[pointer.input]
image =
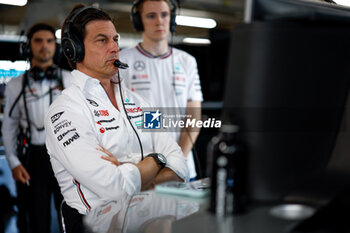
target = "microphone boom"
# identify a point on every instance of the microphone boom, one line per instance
(120, 64)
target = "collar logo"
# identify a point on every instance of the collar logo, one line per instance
(139, 65)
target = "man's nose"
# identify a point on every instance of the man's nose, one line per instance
(44, 44)
(114, 46)
(159, 19)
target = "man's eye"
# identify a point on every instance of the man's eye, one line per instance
(165, 14)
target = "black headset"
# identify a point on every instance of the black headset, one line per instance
(38, 74)
(24, 49)
(73, 47)
(137, 21)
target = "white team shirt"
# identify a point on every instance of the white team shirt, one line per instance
(152, 77)
(83, 118)
(38, 102)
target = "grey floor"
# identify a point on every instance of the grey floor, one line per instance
(7, 180)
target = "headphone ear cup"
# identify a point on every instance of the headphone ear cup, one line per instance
(136, 19)
(72, 48)
(25, 50)
(36, 73)
(51, 73)
(173, 22)
(172, 16)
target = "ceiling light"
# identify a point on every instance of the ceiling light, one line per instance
(342, 2)
(58, 33)
(190, 40)
(14, 2)
(195, 21)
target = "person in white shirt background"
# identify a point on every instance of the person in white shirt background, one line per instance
(165, 76)
(27, 99)
(97, 152)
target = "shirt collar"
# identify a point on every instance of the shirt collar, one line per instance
(81, 80)
(147, 54)
(91, 85)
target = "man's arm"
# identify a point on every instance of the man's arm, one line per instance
(165, 175)
(10, 130)
(149, 171)
(189, 135)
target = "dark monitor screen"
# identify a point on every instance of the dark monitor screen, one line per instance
(286, 87)
(297, 10)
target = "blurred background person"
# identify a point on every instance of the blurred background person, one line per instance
(27, 99)
(165, 76)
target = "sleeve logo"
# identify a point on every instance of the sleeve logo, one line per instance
(55, 117)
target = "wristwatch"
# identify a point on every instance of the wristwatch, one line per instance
(160, 158)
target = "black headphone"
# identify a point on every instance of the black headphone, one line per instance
(72, 47)
(38, 74)
(24, 49)
(137, 21)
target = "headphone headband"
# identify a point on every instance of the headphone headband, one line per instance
(137, 20)
(73, 47)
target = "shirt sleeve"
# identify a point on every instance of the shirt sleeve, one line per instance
(10, 125)
(71, 140)
(194, 90)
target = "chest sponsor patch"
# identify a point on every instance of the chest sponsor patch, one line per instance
(134, 110)
(92, 102)
(139, 65)
(106, 121)
(102, 113)
(55, 117)
(104, 129)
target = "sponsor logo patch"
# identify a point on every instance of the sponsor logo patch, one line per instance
(139, 65)
(92, 102)
(103, 112)
(104, 129)
(134, 110)
(61, 136)
(105, 121)
(55, 117)
(62, 125)
(71, 139)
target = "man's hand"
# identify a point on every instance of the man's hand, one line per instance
(19, 173)
(110, 157)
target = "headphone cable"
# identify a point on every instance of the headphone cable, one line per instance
(122, 99)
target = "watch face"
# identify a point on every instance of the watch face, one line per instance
(161, 158)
